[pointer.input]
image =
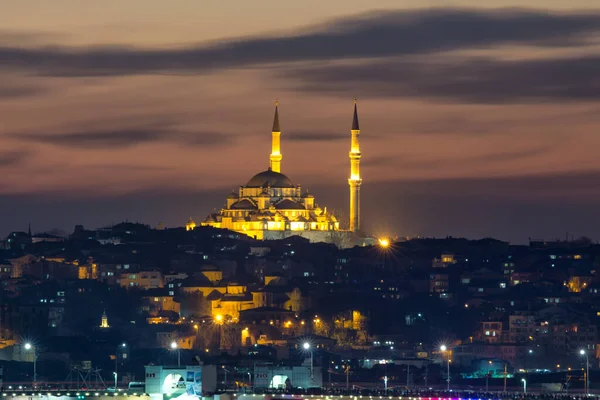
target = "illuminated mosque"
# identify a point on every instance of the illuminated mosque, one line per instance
(270, 206)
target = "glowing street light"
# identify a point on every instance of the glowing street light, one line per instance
(443, 349)
(587, 371)
(175, 347)
(384, 243)
(487, 377)
(306, 347)
(122, 346)
(524, 385)
(218, 320)
(30, 347)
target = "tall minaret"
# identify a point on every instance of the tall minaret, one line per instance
(275, 159)
(355, 180)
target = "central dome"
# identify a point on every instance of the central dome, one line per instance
(270, 178)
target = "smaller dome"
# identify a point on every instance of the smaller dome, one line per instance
(308, 196)
(264, 194)
(232, 195)
(244, 204)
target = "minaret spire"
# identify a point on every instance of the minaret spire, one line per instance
(275, 158)
(355, 180)
(355, 119)
(276, 118)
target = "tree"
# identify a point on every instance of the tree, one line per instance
(231, 336)
(341, 239)
(342, 218)
(322, 327)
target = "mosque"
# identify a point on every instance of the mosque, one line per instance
(270, 206)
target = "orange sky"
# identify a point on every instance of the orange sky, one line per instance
(112, 98)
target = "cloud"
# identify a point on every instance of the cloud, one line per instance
(8, 91)
(125, 137)
(12, 158)
(95, 139)
(24, 38)
(412, 162)
(374, 35)
(315, 136)
(378, 161)
(469, 80)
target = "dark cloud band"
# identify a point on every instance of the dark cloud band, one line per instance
(122, 138)
(469, 80)
(374, 35)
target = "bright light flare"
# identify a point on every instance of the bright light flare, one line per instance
(28, 346)
(173, 345)
(306, 346)
(443, 347)
(384, 242)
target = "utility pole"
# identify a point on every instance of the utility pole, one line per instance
(347, 377)
(407, 375)
(426, 374)
(448, 373)
(505, 377)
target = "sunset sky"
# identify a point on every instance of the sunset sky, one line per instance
(475, 121)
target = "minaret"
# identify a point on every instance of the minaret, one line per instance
(275, 159)
(355, 180)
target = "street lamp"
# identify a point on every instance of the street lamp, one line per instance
(487, 377)
(119, 347)
(29, 347)
(115, 374)
(524, 385)
(175, 347)
(587, 371)
(306, 347)
(219, 321)
(443, 349)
